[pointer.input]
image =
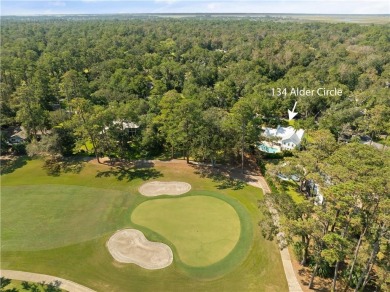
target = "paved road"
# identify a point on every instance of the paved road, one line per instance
(33, 277)
(293, 283)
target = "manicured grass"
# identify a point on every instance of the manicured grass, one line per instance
(296, 196)
(290, 188)
(90, 175)
(99, 200)
(203, 229)
(53, 211)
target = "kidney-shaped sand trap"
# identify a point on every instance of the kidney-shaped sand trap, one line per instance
(131, 246)
(157, 188)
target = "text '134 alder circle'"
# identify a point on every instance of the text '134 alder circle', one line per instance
(296, 91)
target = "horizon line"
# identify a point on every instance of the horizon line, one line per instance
(198, 13)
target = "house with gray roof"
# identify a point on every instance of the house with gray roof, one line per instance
(280, 139)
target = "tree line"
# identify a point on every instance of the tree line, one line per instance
(345, 237)
(221, 67)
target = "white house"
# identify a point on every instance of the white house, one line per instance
(128, 126)
(281, 138)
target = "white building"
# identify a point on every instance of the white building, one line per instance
(281, 138)
(128, 126)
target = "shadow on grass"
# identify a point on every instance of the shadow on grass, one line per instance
(139, 169)
(55, 166)
(286, 186)
(10, 164)
(231, 183)
(223, 178)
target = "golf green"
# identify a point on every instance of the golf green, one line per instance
(203, 229)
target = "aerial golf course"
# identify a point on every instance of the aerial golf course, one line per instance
(61, 224)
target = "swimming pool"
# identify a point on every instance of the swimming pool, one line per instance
(268, 149)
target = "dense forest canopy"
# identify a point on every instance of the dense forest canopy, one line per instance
(212, 62)
(203, 88)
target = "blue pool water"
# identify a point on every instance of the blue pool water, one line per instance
(267, 149)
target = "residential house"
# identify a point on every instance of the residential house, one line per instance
(130, 127)
(280, 139)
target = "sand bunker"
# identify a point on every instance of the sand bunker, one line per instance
(131, 246)
(158, 188)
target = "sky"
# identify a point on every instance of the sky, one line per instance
(34, 7)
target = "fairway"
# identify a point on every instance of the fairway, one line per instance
(59, 225)
(52, 213)
(203, 229)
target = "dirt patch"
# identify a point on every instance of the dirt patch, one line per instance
(158, 188)
(303, 275)
(131, 246)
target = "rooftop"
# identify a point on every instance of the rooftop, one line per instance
(284, 132)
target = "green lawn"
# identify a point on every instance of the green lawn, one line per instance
(294, 194)
(59, 225)
(56, 210)
(203, 229)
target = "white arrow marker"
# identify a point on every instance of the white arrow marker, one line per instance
(292, 114)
